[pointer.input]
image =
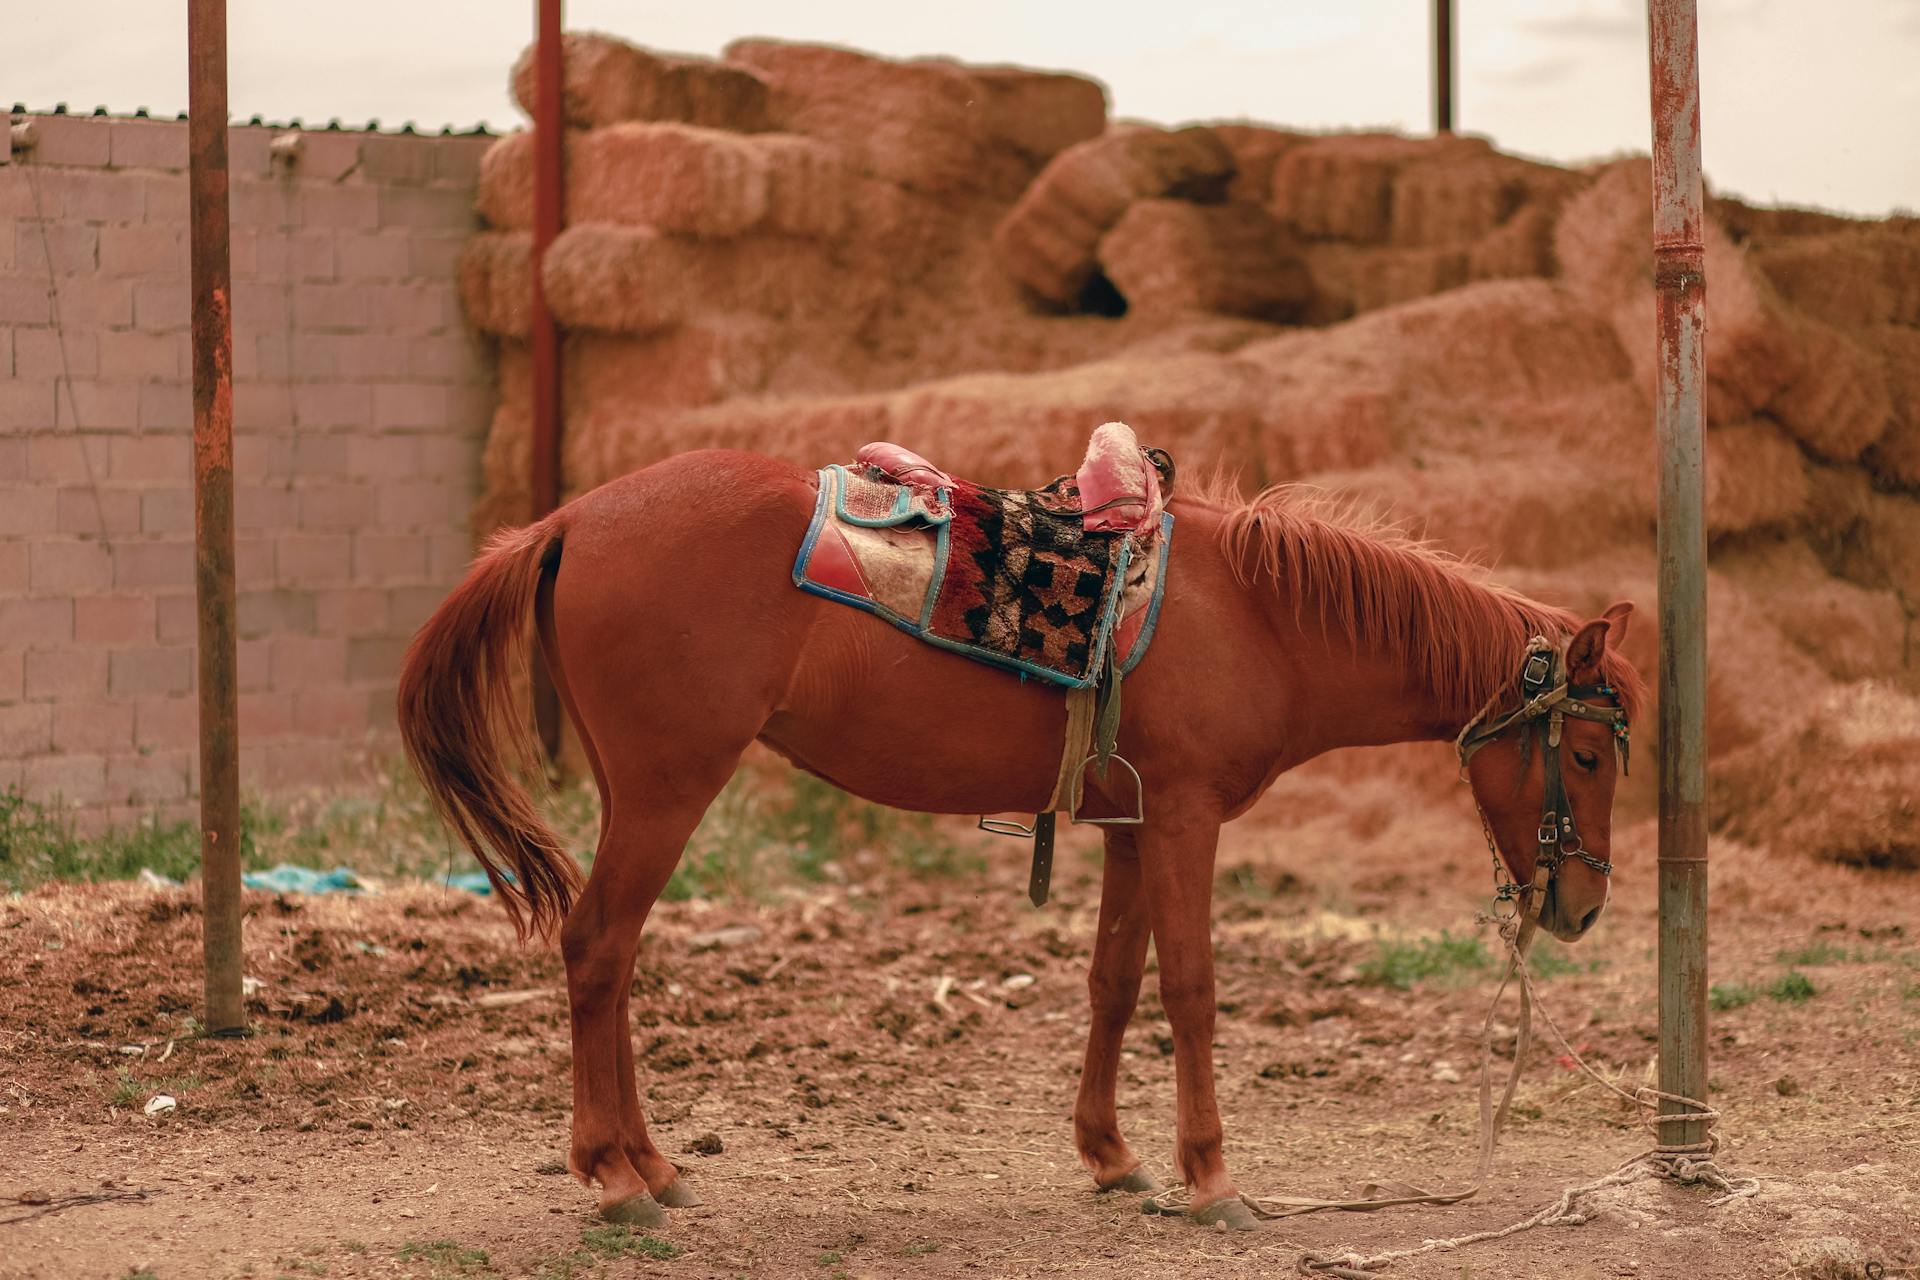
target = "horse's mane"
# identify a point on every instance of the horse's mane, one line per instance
(1461, 635)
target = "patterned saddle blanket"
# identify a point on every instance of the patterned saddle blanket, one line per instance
(1036, 581)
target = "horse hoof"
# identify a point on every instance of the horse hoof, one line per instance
(635, 1211)
(1231, 1212)
(1136, 1181)
(679, 1195)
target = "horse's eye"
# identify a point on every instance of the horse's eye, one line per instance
(1587, 761)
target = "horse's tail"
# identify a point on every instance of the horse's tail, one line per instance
(469, 738)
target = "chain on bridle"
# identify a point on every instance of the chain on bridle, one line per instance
(1547, 698)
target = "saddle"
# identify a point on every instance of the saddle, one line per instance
(1061, 583)
(1118, 484)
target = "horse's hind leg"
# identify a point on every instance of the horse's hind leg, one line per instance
(646, 823)
(1113, 989)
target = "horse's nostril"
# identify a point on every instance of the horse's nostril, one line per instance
(1586, 921)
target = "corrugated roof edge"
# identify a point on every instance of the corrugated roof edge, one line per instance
(331, 126)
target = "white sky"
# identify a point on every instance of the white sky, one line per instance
(1805, 102)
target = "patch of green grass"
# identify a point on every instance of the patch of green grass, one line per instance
(920, 1248)
(355, 1246)
(1730, 995)
(142, 1274)
(130, 1090)
(1792, 987)
(831, 1258)
(40, 842)
(1814, 953)
(1401, 962)
(623, 1242)
(567, 1266)
(1551, 959)
(448, 1257)
(754, 838)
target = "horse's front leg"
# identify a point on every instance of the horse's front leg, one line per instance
(1113, 989)
(1176, 861)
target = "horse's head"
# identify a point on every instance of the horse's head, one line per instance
(1543, 762)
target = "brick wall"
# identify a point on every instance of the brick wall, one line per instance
(360, 404)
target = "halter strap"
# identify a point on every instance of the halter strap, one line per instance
(1547, 698)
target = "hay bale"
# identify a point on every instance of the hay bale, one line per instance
(1037, 114)
(636, 280)
(1171, 256)
(506, 493)
(1450, 198)
(684, 367)
(1839, 403)
(1746, 222)
(1451, 357)
(1521, 246)
(677, 178)
(599, 80)
(1854, 278)
(496, 282)
(1849, 631)
(1494, 511)
(1755, 478)
(606, 81)
(625, 279)
(1366, 279)
(1863, 535)
(1049, 241)
(1603, 244)
(808, 185)
(504, 195)
(912, 123)
(1341, 187)
(1255, 148)
(1841, 788)
(1895, 457)
(672, 177)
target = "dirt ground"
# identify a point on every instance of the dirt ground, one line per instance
(402, 1107)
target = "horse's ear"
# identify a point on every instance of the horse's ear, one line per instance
(1588, 648)
(1618, 615)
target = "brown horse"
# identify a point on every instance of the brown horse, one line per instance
(666, 609)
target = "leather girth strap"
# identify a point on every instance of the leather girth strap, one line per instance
(1092, 731)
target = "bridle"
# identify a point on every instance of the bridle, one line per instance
(1547, 698)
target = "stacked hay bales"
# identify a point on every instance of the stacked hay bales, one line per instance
(796, 249)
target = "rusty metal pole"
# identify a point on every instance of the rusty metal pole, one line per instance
(1443, 63)
(213, 513)
(1679, 272)
(548, 152)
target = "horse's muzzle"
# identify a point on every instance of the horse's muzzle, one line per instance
(1568, 915)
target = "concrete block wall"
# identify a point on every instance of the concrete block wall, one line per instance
(360, 403)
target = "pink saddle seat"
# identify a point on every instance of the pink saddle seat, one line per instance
(1119, 486)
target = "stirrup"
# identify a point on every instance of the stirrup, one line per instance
(1139, 814)
(1004, 827)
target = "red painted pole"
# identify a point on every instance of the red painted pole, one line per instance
(1443, 66)
(213, 512)
(1679, 273)
(548, 152)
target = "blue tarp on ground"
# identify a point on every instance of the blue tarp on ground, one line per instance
(287, 878)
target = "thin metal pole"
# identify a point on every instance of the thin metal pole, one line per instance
(1679, 256)
(1443, 66)
(548, 150)
(213, 512)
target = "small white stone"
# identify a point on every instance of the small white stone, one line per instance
(160, 1102)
